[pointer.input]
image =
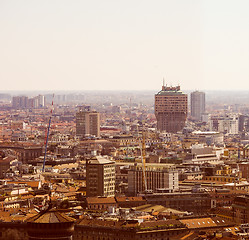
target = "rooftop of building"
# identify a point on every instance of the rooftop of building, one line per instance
(50, 216)
(99, 160)
(132, 224)
(206, 222)
(101, 200)
(129, 199)
(170, 91)
(159, 209)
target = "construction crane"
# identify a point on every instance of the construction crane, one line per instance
(46, 143)
(143, 154)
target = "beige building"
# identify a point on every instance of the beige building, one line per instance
(100, 177)
(159, 178)
(87, 122)
(171, 107)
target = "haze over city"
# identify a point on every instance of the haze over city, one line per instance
(124, 120)
(124, 45)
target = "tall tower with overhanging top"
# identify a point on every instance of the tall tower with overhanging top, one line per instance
(171, 107)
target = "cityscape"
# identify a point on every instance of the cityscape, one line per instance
(168, 165)
(124, 120)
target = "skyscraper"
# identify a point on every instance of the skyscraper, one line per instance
(171, 106)
(197, 105)
(87, 122)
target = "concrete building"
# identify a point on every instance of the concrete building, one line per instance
(225, 124)
(209, 137)
(243, 123)
(159, 178)
(199, 202)
(38, 101)
(100, 177)
(87, 122)
(197, 101)
(41, 101)
(241, 209)
(22, 102)
(244, 169)
(4, 165)
(171, 106)
(19, 102)
(24, 153)
(201, 154)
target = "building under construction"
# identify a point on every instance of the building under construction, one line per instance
(171, 106)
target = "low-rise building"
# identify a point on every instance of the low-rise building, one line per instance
(240, 208)
(127, 229)
(159, 178)
(101, 203)
(185, 201)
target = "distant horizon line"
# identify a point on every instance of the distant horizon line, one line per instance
(125, 90)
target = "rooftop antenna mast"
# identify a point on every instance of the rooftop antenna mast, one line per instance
(46, 143)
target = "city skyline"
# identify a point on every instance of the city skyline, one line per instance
(113, 45)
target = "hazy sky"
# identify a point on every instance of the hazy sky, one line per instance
(128, 44)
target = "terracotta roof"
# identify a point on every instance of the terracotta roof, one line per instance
(50, 216)
(104, 223)
(161, 223)
(33, 184)
(223, 211)
(206, 222)
(61, 189)
(5, 216)
(186, 236)
(198, 223)
(148, 225)
(29, 196)
(130, 199)
(101, 200)
(158, 208)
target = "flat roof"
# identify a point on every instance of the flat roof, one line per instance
(170, 92)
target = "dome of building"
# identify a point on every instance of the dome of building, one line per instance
(50, 224)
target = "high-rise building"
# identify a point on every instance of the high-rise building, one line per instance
(87, 122)
(41, 101)
(100, 177)
(197, 100)
(171, 106)
(20, 102)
